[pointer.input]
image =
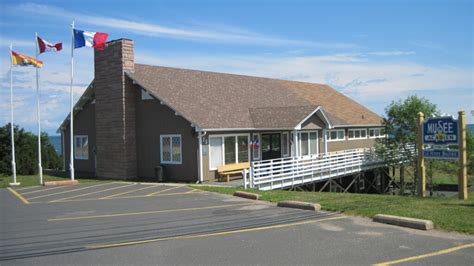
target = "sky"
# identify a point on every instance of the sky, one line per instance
(375, 52)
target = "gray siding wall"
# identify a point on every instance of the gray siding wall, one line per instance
(314, 122)
(153, 120)
(84, 124)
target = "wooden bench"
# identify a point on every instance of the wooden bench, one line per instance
(231, 169)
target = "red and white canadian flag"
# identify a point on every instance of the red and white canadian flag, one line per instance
(44, 46)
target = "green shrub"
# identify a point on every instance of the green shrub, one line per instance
(26, 152)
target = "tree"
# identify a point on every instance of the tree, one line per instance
(400, 127)
(26, 152)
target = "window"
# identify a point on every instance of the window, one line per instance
(242, 149)
(171, 149)
(255, 145)
(284, 144)
(376, 133)
(215, 152)
(308, 143)
(336, 135)
(313, 143)
(357, 133)
(146, 95)
(81, 147)
(304, 150)
(228, 149)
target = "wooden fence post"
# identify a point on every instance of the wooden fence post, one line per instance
(421, 160)
(462, 179)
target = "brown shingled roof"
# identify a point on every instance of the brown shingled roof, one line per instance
(279, 117)
(225, 101)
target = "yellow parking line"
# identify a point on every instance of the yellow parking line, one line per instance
(126, 192)
(159, 192)
(46, 189)
(127, 197)
(62, 192)
(18, 195)
(97, 246)
(432, 254)
(91, 193)
(147, 212)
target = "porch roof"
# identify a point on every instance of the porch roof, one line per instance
(279, 117)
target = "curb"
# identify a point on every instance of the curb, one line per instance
(61, 183)
(404, 221)
(299, 205)
(246, 195)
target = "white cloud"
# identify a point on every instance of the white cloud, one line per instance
(54, 86)
(367, 81)
(391, 53)
(222, 34)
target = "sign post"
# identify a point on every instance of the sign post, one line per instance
(441, 133)
(421, 160)
(462, 180)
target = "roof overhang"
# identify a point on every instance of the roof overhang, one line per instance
(357, 126)
(242, 129)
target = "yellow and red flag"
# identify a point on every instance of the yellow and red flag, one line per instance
(23, 60)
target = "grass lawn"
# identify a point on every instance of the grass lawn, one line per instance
(446, 213)
(439, 176)
(32, 180)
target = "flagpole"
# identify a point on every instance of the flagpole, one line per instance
(40, 168)
(11, 120)
(71, 119)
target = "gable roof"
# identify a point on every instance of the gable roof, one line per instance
(213, 100)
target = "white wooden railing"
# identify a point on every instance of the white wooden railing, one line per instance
(295, 171)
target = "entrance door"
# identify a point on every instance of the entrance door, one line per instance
(271, 146)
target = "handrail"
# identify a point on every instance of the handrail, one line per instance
(291, 171)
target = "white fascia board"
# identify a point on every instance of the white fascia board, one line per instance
(357, 126)
(244, 129)
(324, 118)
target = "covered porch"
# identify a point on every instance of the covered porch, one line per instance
(233, 152)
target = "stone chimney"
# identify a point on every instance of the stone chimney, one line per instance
(115, 111)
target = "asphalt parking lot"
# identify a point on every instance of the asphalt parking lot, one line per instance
(148, 224)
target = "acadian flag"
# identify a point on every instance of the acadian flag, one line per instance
(90, 39)
(44, 46)
(23, 60)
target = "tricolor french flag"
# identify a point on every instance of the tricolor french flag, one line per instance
(90, 39)
(44, 46)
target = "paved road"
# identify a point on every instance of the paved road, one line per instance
(125, 223)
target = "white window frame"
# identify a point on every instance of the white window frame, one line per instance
(81, 137)
(287, 144)
(354, 130)
(375, 129)
(309, 142)
(328, 135)
(171, 136)
(223, 148)
(258, 155)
